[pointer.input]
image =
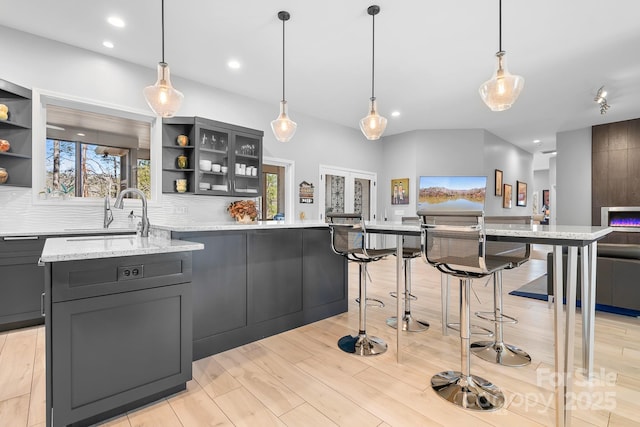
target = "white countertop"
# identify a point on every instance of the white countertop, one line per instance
(89, 247)
(46, 230)
(559, 232)
(223, 226)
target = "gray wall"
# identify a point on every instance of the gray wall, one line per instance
(451, 152)
(573, 177)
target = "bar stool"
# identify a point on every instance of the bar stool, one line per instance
(515, 254)
(410, 250)
(349, 239)
(454, 243)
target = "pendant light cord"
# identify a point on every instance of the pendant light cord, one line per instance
(499, 25)
(162, 31)
(373, 57)
(283, 98)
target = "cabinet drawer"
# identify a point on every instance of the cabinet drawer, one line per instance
(90, 278)
(15, 247)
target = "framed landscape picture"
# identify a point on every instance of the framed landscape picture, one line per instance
(506, 196)
(498, 182)
(521, 188)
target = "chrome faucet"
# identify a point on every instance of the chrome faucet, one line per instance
(144, 232)
(108, 215)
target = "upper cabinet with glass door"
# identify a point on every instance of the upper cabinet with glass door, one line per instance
(224, 159)
(15, 135)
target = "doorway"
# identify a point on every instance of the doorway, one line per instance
(347, 190)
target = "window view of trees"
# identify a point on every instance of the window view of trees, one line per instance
(271, 195)
(78, 169)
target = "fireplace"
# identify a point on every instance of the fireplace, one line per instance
(621, 218)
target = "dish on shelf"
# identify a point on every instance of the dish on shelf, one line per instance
(215, 167)
(219, 187)
(204, 186)
(205, 165)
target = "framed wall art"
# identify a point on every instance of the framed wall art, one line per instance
(521, 188)
(506, 196)
(400, 191)
(498, 182)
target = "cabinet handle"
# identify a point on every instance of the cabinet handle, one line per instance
(20, 238)
(42, 304)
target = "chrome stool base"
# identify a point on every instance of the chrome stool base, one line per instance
(408, 323)
(468, 392)
(362, 345)
(373, 302)
(500, 353)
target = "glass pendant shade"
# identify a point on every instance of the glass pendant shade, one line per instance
(502, 90)
(162, 97)
(283, 127)
(373, 125)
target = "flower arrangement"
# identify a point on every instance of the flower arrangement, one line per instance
(242, 209)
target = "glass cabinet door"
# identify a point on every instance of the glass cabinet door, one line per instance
(213, 161)
(247, 167)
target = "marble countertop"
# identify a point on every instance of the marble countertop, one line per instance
(59, 231)
(560, 232)
(224, 226)
(91, 247)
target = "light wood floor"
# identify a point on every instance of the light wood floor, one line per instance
(301, 378)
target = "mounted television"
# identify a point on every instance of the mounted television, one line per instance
(448, 193)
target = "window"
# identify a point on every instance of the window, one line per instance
(273, 191)
(84, 170)
(91, 155)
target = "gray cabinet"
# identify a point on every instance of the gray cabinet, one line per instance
(21, 282)
(249, 284)
(274, 277)
(116, 341)
(236, 150)
(17, 130)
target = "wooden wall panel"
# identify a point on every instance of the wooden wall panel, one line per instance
(615, 171)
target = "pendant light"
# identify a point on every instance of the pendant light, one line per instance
(501, 91)
(373, 125)
(163, 99)
(283, 127)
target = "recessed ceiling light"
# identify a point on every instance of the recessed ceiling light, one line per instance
(395, 114)
(536, 141)
(80, 134)
(115, 21)
(107, 44)
(233, 64)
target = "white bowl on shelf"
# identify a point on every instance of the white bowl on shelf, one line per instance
(205, 165)
(215, 167)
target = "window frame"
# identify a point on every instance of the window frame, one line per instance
(42, 98)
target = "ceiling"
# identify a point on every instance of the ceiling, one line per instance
(431, 57)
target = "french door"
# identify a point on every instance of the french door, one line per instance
(347, 191)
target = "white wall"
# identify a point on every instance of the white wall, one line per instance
(35, 62)
(573, 177)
